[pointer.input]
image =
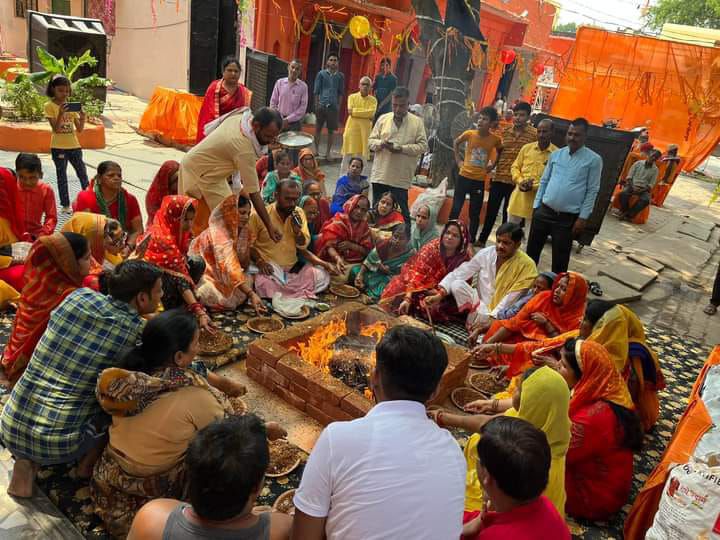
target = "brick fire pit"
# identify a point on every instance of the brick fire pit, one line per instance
(272, 363)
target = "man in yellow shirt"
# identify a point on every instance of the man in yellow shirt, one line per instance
(526, 171)
(276, 264)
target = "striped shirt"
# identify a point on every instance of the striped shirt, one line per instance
(512, 143)
(50, 407)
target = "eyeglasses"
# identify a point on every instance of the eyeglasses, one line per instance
(117, 242)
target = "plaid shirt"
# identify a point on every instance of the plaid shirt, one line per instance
(52, 404)
(512, 144)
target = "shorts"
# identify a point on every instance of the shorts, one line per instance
(327, 116)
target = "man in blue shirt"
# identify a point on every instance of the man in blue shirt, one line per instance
(383, 86)
(328, 89)
(566, 197)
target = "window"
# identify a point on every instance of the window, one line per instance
(61, 7)
(22, 7)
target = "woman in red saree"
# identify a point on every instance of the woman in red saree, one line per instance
(55, 267)
(308, 169)
(223, 96)
(423, 272)
(12, 230)
(605, 432)
(164, 183)
(384, 216)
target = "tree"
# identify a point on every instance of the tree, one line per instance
(703, 13)
(566, 28)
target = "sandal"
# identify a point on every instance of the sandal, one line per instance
(595, 288)
(710, 309)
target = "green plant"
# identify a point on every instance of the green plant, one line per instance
(84, 91)
(23, 96)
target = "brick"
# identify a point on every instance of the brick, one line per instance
(296, 369)
(267, 351)
(292, 334)
(256, 376)
(327, 388)
(356, 405)
(252, 362)
(335, 412)
(294, 400)
(272, 375)
(299, 391)
(318, 415)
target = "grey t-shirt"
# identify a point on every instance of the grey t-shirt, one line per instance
(643, 177)
(179, 528)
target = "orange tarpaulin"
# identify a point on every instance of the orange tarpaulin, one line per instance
(694, 423)
(674, 88)
(172, 115)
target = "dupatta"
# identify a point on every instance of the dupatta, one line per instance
(419, 238)
(11, 209)
(309, 173)
(340, 228)
(159, 188)
(168, 244)
(516, 274)
(217, 102)
(51, 273)
(92, 227)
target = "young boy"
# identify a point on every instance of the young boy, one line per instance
(36, 197)
(480, 144)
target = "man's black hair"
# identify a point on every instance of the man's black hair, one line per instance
(287, 183)
(490, 113)
(401, 92)
(130, 278)
(596, 308)
(522, 106)
(226, 461)
(266, 116)
(411, 362)
(513, 229)
(581, 123)
(28, 162)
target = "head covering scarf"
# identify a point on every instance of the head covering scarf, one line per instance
(10, 208)
(394, 217)
(51, 273)
(309, 173)
(159, 188)
(92, 227)
(599, 380)
(105, 207)
(419, 238)
(551, 277)
(168, 244)
(222, 246)
(307, 200)
(515, 275)
(341, 227)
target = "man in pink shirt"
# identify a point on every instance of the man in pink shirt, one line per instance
(36, 197)
(290, 97)
(513, 468)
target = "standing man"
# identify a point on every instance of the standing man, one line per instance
(502, 186)
(398, 140)
(290, 97)
(328, 90)
(383, 87)
(526, 171)
(232, 147)
(566, 197)
(639, 183)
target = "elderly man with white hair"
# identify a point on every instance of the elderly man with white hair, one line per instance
(361, 107)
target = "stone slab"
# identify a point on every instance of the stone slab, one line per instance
(615, 292)
(647, 262)
(628, 273)
(696, 230)
(682, 253)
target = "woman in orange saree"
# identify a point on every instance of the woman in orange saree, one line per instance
(55, 267)
(164, 183)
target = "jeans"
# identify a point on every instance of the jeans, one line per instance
(643, 201)
(476, 190)
(547, 222)
(499, 195)
(399, 194)
(715, 298)
(61, 157)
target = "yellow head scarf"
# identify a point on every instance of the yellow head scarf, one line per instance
(615, 330)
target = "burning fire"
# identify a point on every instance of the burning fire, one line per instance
(318, 349)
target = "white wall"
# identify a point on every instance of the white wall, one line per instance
(143, 55)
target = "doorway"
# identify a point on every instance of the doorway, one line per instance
(320, 49)
(213, 36)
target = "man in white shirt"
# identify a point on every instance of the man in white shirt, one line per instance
(394, 473)
(503, 273)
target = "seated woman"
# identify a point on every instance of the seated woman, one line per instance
(105, 238)
(313, 189)
(543, 282)
(308, 169)
(225, 248)
(12, 230)
(542, 399)
(605, 432)
(164, 183)
(168, 249)
(421, 275)
(384, 216)
(282, 171)
(105, 195)
(423, 228)
(307, 255)
(546, 315)
(345, 239)
(353, 183)
(55, 267)
(158, 401)
(383, 263)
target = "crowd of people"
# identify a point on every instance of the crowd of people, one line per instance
(100, 376)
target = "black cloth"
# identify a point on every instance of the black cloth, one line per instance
(399, 194)
(499, 195)
(476, 189)
(547, 222)
(174, 286)
(642, 202)
(715, 299)
(326, 116)
(459, 15)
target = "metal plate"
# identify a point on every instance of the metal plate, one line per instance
(295, 139)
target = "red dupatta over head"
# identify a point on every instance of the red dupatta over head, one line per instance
(168, 245)
(10, 205)
(341, 227)
(309, 173)
(51, 273)
(160, 188)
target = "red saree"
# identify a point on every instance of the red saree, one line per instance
(340, 228)
(159, 188)
(10, 206)
(217, 102)
(51, 273)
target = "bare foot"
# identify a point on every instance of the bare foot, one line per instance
(23, 479)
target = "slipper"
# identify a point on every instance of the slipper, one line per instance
(595, 288)
(710, 309)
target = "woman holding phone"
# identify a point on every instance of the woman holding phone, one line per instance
(65, 119)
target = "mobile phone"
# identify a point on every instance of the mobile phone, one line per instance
(296, 218)
(73, 106)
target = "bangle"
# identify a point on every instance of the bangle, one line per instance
(497, 349)
(198, 309)
(438, 419)
(495, 405)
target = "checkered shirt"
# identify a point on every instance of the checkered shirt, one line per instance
(52, 404)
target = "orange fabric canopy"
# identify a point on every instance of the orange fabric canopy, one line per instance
(673, 88)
